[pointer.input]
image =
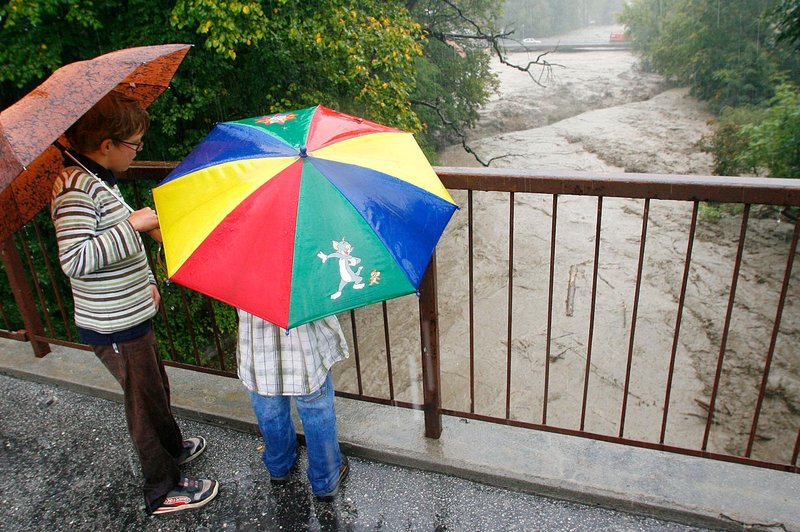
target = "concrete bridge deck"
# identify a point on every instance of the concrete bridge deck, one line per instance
(665, 486)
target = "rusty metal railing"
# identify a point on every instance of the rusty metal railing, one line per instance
(746, 193)
(560, 373)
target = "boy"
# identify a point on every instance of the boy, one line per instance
(276, 366)
(115, 293)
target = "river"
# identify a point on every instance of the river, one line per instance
(598, 112)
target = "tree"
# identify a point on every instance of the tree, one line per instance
(787, 15)
(729, 140)
(774, 140)
(249, 58)
(454, 76)
(366, 57)
(643, 25)
(363, 57)
(737, 56)
(722, 50)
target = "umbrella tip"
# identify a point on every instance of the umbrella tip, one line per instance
(303, 152)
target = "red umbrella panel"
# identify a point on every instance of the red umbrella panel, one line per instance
(28, 128)
(300, 215)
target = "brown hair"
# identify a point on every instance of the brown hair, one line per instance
(116, 116)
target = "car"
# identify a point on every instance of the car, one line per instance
(617, 36)
(531, 40)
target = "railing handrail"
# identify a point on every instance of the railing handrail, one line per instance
(722, 189)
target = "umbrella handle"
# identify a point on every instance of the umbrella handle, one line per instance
(155, 234)
(66, 152)
(159, 258)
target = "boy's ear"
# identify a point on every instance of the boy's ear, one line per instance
(106, 145)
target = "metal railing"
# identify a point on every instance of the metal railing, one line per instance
(746, 193)
(698, 378)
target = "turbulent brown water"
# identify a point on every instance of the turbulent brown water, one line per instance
(599, 113)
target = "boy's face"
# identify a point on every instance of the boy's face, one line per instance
(123, 151)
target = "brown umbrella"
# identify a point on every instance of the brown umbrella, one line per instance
(28, 160)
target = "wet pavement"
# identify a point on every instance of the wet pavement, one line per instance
(66, 463)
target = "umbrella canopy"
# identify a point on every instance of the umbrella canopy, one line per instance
(29, 162)
(300, 215)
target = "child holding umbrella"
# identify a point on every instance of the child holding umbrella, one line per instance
(115, 294)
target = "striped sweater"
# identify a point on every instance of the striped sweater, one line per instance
(101, 253)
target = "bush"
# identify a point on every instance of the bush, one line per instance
(730, 140)
(774, 140)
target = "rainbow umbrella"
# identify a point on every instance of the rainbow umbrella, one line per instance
(300, 215)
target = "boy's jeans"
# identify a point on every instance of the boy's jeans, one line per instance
(319, 425)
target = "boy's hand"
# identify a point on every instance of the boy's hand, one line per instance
(156, 235)
(144, 219)
(156, 295)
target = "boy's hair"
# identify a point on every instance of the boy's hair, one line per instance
(116, 116)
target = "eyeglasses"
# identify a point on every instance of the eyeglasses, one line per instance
(135, 146)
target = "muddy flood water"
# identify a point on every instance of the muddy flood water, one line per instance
(600, 113)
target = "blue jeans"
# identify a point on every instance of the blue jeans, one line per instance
(319, 425)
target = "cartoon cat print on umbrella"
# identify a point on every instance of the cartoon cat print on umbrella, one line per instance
(342, 251)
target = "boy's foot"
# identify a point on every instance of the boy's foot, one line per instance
(284, 479)
(189, 493)
(280, 481)
(192, 448)
(344, 469)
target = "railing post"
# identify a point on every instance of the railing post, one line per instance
(23, 296)
(429, 332)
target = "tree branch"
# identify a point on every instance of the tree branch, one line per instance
(540, 70)
(454, 128)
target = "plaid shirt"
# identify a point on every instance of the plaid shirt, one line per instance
(272, 362)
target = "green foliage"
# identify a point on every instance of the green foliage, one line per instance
(227, 25)
(754, 140)
(745, 83)
(713, 212)
(774, 140)
(454, 71)
(24, 60)
(725, 51)
(787, 16)
(37, 250)
(736, 56)
(642, 21)
(364, 57)
(729, 140)
(250, 58)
